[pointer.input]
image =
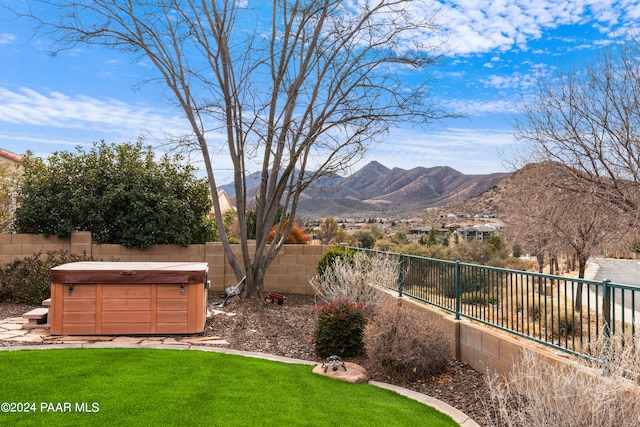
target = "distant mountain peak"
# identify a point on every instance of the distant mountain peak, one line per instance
(374, 167)
(377, 189)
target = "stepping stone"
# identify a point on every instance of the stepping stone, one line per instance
(12, 326)
(10, 335)
(172, 341)
(127, 340)
(28, 338)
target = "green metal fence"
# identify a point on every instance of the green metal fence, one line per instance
(569, 314)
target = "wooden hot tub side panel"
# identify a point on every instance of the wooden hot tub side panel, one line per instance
(114, 309)
(127, 307)
(79, 313)
(172, 308)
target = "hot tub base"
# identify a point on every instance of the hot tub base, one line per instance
(128, 298)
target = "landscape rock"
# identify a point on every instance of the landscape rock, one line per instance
(354, 374)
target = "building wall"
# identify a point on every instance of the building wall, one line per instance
(289, 273)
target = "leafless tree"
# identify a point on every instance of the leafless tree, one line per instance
(588, 119)
(546, 212)
(296, 88)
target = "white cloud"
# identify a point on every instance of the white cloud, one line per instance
(6, 38)
(57, 110)
(480, 107)
(512, 81)
(480, 26)
(470, 151)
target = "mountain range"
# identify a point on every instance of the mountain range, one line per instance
(380, 191)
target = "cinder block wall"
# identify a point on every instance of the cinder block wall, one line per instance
(289, 273)
(20, 246)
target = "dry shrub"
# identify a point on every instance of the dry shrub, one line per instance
(402, 345)
(351, 278)
(26, 280)
(539, 393)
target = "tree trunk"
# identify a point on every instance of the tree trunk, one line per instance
(254, 282)
(582, 264)
(540, 259)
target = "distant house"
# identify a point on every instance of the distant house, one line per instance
(418, 232)
(12, 160)
(225, 201)
(225, 204)
(9, 167)
(477, 233)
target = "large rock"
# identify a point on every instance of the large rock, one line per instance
(354, 374)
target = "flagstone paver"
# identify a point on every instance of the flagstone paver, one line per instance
(11, 326)
(11, 330)
(173, 341)
(10, 335)
(28, 338)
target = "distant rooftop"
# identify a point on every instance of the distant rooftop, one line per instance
(8, 155)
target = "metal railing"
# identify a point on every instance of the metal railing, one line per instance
(569, 314)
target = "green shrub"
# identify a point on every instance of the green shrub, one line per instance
(330, 257)
(27, 280)
(402, 344)
(340, 329)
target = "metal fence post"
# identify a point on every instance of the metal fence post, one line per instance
(400, 278)
(606, 330)
(458, 291)
(606, 307)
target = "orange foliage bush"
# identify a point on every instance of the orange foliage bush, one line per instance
(296, 235)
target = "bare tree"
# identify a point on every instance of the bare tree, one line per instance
(588, 119)
(526, 223)
(545, 211)
(297, 88)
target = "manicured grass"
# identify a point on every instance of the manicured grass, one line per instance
(145, 387)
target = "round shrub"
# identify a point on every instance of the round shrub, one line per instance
(340, 329)
(401, 344)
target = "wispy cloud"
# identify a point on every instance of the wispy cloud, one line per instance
(480, 107)
(29, 107)
(470, 151)
(6, 38)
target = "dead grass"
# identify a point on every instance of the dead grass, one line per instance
(539, 393)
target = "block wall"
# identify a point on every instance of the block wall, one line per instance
(482, 347)
(289, 273)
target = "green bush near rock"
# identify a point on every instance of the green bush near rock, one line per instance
(340, 329)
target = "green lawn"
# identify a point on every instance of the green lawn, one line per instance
(140, 387)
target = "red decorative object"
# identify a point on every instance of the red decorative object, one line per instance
(274, 297)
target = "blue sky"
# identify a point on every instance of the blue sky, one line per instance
(493, 53)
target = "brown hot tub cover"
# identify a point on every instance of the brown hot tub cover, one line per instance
(130, 272)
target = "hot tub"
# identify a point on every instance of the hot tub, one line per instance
(125, 298)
